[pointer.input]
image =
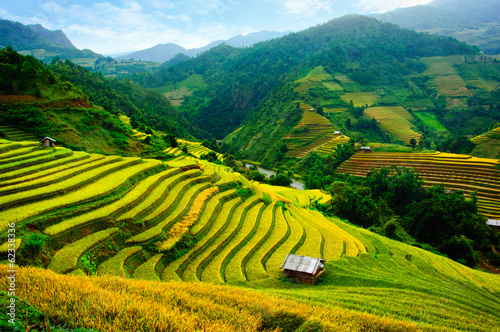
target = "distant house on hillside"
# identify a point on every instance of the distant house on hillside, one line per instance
(337, 133)
(366, 149)
(303, 269)
(48, 142)
(311, 110)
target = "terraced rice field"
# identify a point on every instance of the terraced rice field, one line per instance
(492, 134)
(445, 75)
(313, 131)
(331, 146)
(16, 134)
(318, 76)
(130, 208)
(394, 120)
(194, 148)
(456, 172)
(360, 98)
(115, 221)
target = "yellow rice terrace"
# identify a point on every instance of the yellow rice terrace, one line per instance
(130, 244)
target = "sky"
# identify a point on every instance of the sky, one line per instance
(122, 26)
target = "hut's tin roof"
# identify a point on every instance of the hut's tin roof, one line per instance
(50, 139)
(302, 264)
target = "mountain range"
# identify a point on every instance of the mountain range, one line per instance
(474, 22)
(164, 52)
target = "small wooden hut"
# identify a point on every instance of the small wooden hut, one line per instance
(337, 133)
(366, 149)
(303, 269)
(48, 142)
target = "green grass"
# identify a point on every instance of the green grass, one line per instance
(66, 259)
(451, 85)
(146, 271)
(440, 65)
(430, 119)
(184, 88)
(114, 265)
(316, 77)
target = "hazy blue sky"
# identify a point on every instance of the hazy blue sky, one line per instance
(118, 26)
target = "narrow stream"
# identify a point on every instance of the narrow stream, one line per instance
(295, 183)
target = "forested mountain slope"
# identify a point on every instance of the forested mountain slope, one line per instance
(121, 96)
(81, 109)
(476, 23)
(237, 80)
(42, 43)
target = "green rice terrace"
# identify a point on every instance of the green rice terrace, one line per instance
(395, 120)
(191, 220)
(194, 148)
(454, 171)
(313, 131)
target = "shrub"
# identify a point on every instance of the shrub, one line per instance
(34, 244)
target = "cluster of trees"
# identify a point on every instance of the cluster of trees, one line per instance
(22, 74)
(393, 202)
(281, 178)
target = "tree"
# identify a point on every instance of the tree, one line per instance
(413, 143)
(459, 248)
(357, 209)
(171, 140)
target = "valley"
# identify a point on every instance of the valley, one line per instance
(160, 196)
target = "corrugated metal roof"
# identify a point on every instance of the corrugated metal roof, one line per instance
(302, 264)
(493, 222)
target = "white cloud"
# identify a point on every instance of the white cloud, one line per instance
(110, 28)
(380, 6)
(306, 8)
(161, 5)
